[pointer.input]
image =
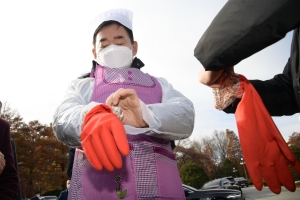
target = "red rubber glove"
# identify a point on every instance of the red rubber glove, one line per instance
(103, 138)
(266, 153)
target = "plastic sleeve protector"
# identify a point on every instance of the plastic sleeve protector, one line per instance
(265, 152)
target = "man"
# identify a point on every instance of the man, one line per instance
(8, 173)
(37, 196)
(64, 194)
(241, 29)
(119, 104)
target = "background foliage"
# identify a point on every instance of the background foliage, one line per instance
(219, 154)
(193, 175)
(42, 159)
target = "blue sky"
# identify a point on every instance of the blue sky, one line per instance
(45, 45)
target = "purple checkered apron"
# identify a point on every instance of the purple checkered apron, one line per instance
(149, 172)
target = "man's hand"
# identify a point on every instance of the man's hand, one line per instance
(215, 79)
(2, 163)
(128, 100)
(103, 138)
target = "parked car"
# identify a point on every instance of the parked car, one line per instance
(242, 182)
(219, 184)
(48, 198)
(215, 194)
(231, 179)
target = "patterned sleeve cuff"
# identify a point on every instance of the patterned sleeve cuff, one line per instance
(227, 93)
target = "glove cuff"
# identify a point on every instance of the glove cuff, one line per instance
(99, 109)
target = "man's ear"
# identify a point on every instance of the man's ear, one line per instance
(135, 48)
(94, 53)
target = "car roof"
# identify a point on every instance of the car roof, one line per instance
(189, 187)
(238, 178)
(48, 197)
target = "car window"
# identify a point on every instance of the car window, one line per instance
(226, 183)
(231, 179)
(211, 183)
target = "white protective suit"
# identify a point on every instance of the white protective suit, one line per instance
(171, 119)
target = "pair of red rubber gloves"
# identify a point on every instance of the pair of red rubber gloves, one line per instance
(265, 152)
(103, 138)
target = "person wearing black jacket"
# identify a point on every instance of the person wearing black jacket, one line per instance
(9, 176)
(243, 28)
(239, 30)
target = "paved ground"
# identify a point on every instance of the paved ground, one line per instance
(266, 194)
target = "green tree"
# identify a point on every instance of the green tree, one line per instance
(193, 151)
(227, 169)
(296, 151)
(193, 175)
(234, 151)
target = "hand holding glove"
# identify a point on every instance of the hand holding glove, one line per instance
(266, 153)
(103, 138)
(229, 91)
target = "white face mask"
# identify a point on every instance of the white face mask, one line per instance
(68, 186)
(115, 56)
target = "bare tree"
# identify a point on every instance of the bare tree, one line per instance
(294, 139)
(12, 117)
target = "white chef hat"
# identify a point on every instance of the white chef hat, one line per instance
(121, 15)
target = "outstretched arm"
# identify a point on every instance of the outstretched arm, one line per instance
(250, 27)
(215, 79)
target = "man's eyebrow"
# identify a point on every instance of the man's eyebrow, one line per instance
(102, 40)
(117, 37)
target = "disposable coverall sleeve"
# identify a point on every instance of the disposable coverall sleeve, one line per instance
(68, 117)
(172, 119)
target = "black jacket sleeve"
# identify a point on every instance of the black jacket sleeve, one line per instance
(14, 152)
(244, 27)
(70, 161)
